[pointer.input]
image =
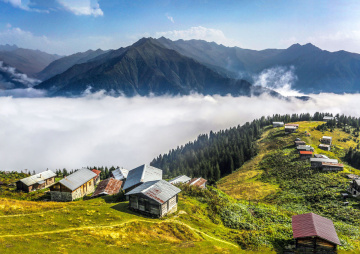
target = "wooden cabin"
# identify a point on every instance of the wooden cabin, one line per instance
(198, 182)
(314, 234)
(305, 148)
(355, 188)
(74, 186)
(305, 155)
(328, 118)
(325, 147)
(292, 124)
(180, 179)
(36, 182)
(326, 166)
(97, 177)
(317, 162)
(299, 143)
(140, 175)
(326, 140)
(154, 198)
(290, 129)
(120, 174)
(278, 124)
(108, 186)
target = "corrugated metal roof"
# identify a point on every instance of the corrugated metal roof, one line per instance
(120, 173)
(323, 160)
(332, 164)
(306, 152)
(304, 147)
(180, 179)
(290, 127)
(197, 181)
(328, 118)
(109, 186)
(323, 145)
(310, 224)
(292, 124)
(159, 190)
(326, 137)
(321, 156)
(142, 174)
(38, 177)
(77, 179)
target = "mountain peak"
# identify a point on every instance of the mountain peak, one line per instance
(307, 46)
(8, 47)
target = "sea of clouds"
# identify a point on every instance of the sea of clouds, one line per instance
(98, 130)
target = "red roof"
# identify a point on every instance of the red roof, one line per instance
(310, 224)
(306, 152)
(96, 172)
(197, 181)
(109, 186)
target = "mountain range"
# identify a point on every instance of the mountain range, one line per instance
(162, 66)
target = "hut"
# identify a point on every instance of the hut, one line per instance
(97, 177)
(355, 188)
(326, 140)
(328, 118)
(155, 198)
(321, 156)
(314, 234)
(278, 124)
(180, 179)
(140, 175)
(120, 173)
(304, 148)
(36, 182)
(290, 129)
(299, 143)
(326, 166)
(108, 186)
(292, 124)
(305, 154)
(74, 186)
(199, 182)
(324, 147)
(317, 162)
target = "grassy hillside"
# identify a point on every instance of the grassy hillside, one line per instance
(250, 212)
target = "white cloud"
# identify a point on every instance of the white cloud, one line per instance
(17, 77)
(55, 133)
(199, 33)
(170, 18)
(24, 5)
(82, 7)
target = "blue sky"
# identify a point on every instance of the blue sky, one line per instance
(69, 26)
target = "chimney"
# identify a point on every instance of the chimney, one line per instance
(40, 176)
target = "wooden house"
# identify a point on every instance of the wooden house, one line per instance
(120, 174)
(140, 175)
(278, 124)
(355, 188)
(305, 155)
(97, 177)
(154, 198)
(317, 162)
(36, 182)
(74, 186)
(305, 148)
(327, 166)
(324, 147)
(292, 124)
(290, 129)
(180, 179)
(326, 140)
(321, 156)
(108, 186)
(299, 143)
(314, 234)
(198, 182)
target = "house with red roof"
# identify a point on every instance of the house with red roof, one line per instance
(199, 182)
(97, 177)
(108, 186)
(314, 234)
(305, 154)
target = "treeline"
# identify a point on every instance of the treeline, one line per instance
(219, 153)
(105, 171)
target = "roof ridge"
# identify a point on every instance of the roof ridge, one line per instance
(142, 173)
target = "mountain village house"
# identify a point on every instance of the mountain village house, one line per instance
(278, 124)
(324, 147)
(305, 155)
(36, 182)
(140, 175)
(154, 198)
(120, 174)
(326, 140)
(180, 179)
(108, 186)
(97, 177)
(314, 234)
(355, 188)
(299, 143)
(317, 162)
(304, 148)
(290, 129)
(328, 118)
(326, 166)
(199, 182)
(74, 186)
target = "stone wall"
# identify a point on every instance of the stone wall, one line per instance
(60, 196)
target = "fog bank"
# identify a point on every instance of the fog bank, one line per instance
(97, 130)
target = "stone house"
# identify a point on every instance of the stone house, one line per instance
(140, 175)
(74, 186)
(36, 182)
(154, 198)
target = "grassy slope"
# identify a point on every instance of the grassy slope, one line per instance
(284, 182)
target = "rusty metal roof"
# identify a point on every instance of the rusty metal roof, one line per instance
(160, 190)
(180, 179)
(142, 174)
(197, 181)
(97, 172)
(310, 224)
(108, 186)
(120, 173)
(75, 180)
(38, 178)
(332, 164)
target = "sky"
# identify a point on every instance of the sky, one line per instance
(69, 26)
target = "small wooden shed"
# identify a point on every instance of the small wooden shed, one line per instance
(154, 198)
(314, 234)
